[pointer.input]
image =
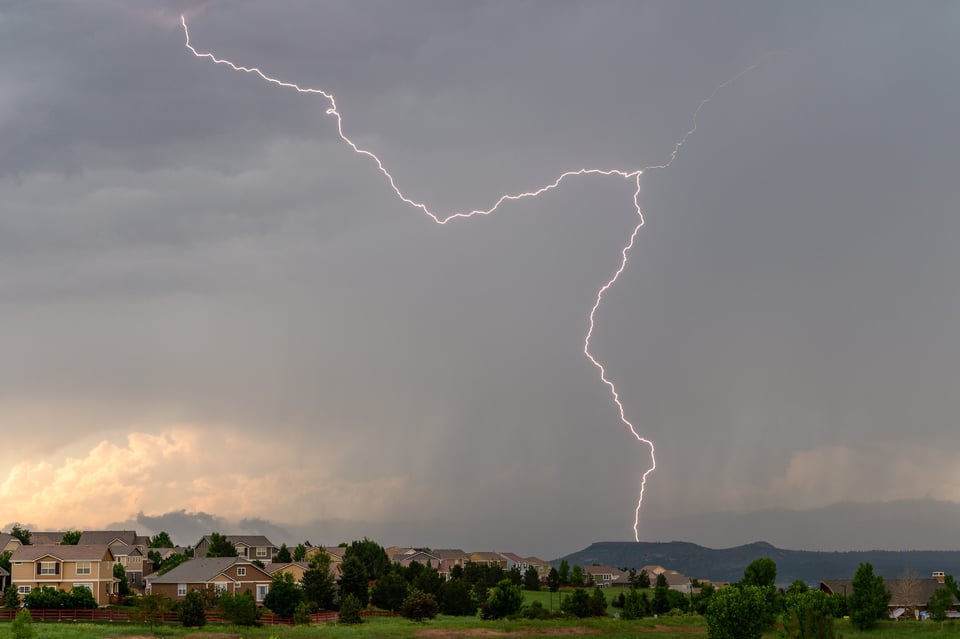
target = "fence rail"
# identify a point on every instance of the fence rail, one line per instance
(125, 616)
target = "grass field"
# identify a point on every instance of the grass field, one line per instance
(461, 628)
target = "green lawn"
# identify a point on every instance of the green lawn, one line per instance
(463, 628)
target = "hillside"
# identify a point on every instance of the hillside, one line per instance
(727, 564)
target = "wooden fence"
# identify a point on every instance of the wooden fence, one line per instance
(104, 615)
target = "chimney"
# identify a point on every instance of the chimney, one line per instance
(938, 575)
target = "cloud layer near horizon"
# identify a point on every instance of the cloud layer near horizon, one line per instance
(211, 305)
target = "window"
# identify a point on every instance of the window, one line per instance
(49, 568)
(87, 586)
(220, 587)
(181, 590)
(262, 591)
(83, 567)
(261, 551)
(241, 572)
(24, 590)
(135, 559)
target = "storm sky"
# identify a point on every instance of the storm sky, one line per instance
(210, 304)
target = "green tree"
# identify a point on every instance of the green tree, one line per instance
(515, 576)
(429, 581)
(577, 604)
(702, 599)
(869, 600)
(505, 599)
(171, 562)
(372, 555)
(939, 604)
(553, 580)
(354, 579)
(318, 583)
(300, 552)
(389, 592)
(11, 598)
(350, 610)
(736, 613)
(123, 585)
(597, 603)
(193, 610)
(807, 624)
(283, 555)
(798, 587)
(5, 560)
(284, 595)
(220, 546)
(22, 533)
(635, 605)
(71, 538)
(240, 610)
(643, 579)
(161, 540)
(760, 572)
(661, 599)
(455, 599)
(419, 606)
(531, 579)
(576, 575)
(564, 572)
(22, 625)
(662, 581)
(301, 614)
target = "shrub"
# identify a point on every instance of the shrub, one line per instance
(22, 625)
(193, 612)
(597, 604)
(536, 611)
(505, 599)
(456, 600)
(240, 610)
(635, 605)
(419, 605)
(301, 614)
(350, 610)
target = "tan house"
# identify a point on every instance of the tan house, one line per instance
(235, 575)
(605, 576)
(295, 568)
(489, 559)
(64, 568)
(8, 543)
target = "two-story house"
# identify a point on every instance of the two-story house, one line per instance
(64, 568)
(248, 546)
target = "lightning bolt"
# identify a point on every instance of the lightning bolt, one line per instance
(628, 174)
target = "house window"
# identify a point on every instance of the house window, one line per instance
(220, 587)
(49, 568)
(262, 591)
(83, 567)
(243, 551)
(261, 552)
(241, 572)
(24, 590)
(181, 590)
(87, 586)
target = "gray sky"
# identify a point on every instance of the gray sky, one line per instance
(211, 305)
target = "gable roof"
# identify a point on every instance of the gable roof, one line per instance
(3, 572)
(126, 537)
(63, 553)
(6, 538)
(46, 537)
(203, 570)
(245, 540)
(274, 566)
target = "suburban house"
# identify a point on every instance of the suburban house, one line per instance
(8, 543)
(129, 549)
(295, 568)
(908, 595)
(605, 576)
(489, 559)
(234, 575)
(248, 546)
(675, 580)
(523, 563)
(64, 568)
(411, 555)
(114, 538)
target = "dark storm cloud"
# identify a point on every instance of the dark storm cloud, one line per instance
(182, 244)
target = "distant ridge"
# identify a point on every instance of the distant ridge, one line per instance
(727, 564)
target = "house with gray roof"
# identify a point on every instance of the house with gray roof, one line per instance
(64, 568)
(249, 546)
(235, 575)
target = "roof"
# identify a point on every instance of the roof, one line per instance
(128, 537)
(274, 566)
(201, 570)
(903, 592)
(3, 572)
(122, 550)
(64, 553)
(246, 540)
(46, 537)
(450, 553)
